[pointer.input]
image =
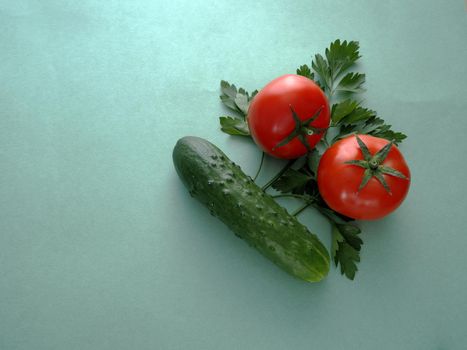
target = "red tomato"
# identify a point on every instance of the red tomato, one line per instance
(339, 181)
(271, 116)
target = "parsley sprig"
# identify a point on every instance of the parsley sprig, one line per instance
(333, 73)
(238, 101)
(348, 116)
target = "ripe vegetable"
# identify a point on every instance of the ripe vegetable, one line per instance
(333, 71)
(251, 214)
(288, 117)
(363, 177)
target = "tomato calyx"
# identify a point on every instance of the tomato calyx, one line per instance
(302, 129)
(373, 165)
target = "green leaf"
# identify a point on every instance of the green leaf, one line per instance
(342, 109)
(348, 258)
(306, 72)
(384, 131)
(241, 101)
(313, 161)
(376, 126)
(228, 89)
(337, 239)
(229, 102)
(341, 56)
(398, 137)
(229, 93)
(291, 181)
(345, 247)
(350, 233)
(373, 126)
(332, 215)
(357, 115)
(345, 130)
(236, 100)
(320, 66)
(253, 94)
(234, 126)
(351, 82)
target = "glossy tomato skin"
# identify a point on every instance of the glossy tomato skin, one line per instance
(270, 118)
(338, 182)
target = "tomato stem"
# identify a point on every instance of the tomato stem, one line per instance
(373, 165)
(302, 129)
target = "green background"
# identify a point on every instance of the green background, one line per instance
(101, 246)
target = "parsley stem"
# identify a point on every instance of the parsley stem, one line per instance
(325, 140)
(302, 208)
(260, 166)
(309, 201)
(291, 195)
(279, 174)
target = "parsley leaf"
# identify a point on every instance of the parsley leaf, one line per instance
(342, 109)
(351, 82)
(340, 56)
(292, 181)
(313, 161)
(373, 126)
(357, 115)
(234, 126)
(332, 72)
(237, 100)
(350, 112)
(241, 101)
(229, 93)
(306, 72)
(350, 233)
(350, 118)
(321, 67)
(337, 239)
(345, 248)
(376, 127)
(333, 216)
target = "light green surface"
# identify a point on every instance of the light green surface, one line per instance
(102, 248)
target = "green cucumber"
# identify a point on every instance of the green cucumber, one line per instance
(213, 179)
